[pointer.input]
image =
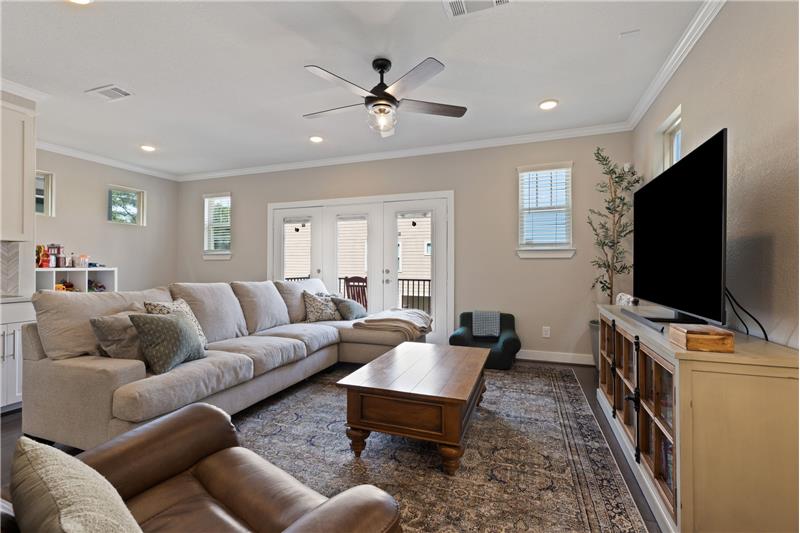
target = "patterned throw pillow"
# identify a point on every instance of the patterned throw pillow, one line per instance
(349, 309)
(167, 340)
(178, 306)
(320, 308)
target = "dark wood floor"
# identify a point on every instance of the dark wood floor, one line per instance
(11, 429)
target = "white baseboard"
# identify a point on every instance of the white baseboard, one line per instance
(557, 357)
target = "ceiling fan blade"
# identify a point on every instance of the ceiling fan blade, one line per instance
(415, 77)
(330, 76)
(333, 111)
(432, 108)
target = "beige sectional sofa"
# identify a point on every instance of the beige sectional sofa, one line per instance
(258, 345)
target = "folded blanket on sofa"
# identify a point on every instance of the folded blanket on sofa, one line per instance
(412, 323)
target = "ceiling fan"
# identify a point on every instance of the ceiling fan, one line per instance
(383, 101)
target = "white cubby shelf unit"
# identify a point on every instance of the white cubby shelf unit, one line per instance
(46, 278)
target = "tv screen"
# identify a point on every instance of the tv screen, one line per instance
(679, 234)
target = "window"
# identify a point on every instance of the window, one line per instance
(427, 249)
(545, 211)
(126, 205)
(217, 225)
(45, 201)
(672, 143)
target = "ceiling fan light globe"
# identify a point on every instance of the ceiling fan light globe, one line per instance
(382, 117)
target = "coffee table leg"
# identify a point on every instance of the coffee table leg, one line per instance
(358, 438)
(451, 458)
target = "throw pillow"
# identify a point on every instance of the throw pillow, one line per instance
(53, 491)
(177, 306)
(116, 335)
(320, 308)
(349, 309)
(167, 340)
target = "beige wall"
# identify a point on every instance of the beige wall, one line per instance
(488, 273)
(146, 256)
(742, 75)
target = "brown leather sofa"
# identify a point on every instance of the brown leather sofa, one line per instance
(187, 472)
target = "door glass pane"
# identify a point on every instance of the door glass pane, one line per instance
(351, 257)
(296, 248)
(414, 254)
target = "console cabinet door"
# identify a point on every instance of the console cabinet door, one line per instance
(18, 177)
(11, 357)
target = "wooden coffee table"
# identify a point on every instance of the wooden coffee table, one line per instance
(417, 390)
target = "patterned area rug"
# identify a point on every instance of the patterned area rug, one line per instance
(535, 457)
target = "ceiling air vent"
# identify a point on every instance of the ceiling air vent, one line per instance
(109, 93)
(459, 8)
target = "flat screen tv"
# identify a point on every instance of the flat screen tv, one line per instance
(679, 235)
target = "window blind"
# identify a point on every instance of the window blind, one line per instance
(545, 206)
(217, 224)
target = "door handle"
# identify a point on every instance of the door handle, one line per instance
(386, 271)
(13, 344)
(3, 354)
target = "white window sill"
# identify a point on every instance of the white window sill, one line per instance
(217, 256)
(546, 253)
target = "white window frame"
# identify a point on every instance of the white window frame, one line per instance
(545, 251)
(49, 193)
(673, 131)
(666, 137)
(141, 204)
(216, 255)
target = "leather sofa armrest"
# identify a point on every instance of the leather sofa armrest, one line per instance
(364, 508)
(509, 341)
(461, 337)
(161, 449)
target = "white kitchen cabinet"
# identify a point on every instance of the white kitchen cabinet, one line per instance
(18, 178)
(11, 359)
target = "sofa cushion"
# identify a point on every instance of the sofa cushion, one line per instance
(187, 383)
(63, 317)
(262, 304)
(55, 492)
(292, 294)
(266, 352)
(216, 308)
(116, 336)
(314, 336)
(167, 340)
(180, 307)
(347, 333)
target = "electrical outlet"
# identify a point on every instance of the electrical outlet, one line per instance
(546, 332)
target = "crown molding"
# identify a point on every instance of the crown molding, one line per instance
(701, 20)
(554, 135)
(22, 90)
(72, 152)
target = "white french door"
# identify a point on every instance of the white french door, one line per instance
(415, 266)
(402, 248)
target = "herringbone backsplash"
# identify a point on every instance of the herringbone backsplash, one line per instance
(9, 268)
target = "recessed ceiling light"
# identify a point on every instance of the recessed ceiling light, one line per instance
(148, 148)
(547, 105)
(81, 2)
(316, 139)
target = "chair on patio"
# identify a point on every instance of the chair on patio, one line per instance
(355, 288)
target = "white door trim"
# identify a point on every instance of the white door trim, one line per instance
(449, 196)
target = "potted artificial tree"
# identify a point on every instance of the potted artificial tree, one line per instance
(611, 226)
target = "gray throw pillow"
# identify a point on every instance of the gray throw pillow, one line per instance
(167, 340)
(178, 306)
(116, 335)
(349, 309)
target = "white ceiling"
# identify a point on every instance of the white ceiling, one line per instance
(220, 86)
